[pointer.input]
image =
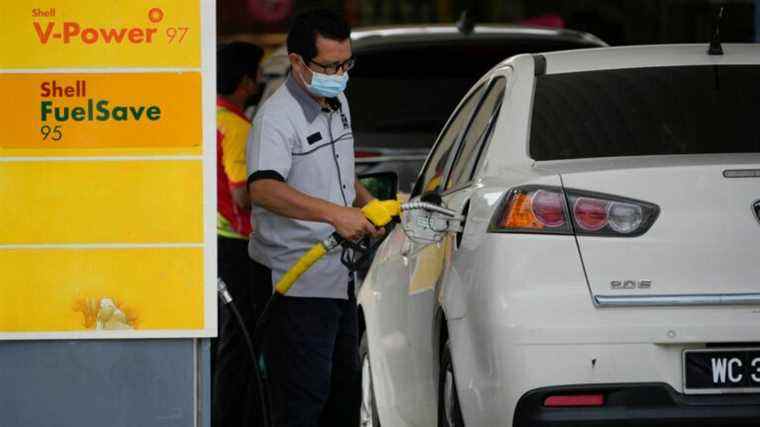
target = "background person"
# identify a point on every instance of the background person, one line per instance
(234, 390)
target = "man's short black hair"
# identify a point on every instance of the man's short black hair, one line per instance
(235, 61)
(302, 37)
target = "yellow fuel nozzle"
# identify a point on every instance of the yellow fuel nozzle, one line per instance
(381, 212)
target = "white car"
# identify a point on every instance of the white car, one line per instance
(608, 270)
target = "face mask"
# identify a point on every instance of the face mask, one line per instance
(327, 86)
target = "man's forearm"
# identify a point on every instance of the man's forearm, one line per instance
(282, 199)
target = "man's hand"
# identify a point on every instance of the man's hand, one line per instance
(352, 225)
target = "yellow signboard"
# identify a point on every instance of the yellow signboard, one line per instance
(101, 110)
(101, 202)
(107, 169)
(100, 33)
(129, 290)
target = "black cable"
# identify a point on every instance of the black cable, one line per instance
(226, 299)
(264, 316)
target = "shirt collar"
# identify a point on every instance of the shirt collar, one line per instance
(227, 105)
(310, 106)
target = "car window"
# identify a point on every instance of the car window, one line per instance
(477, 134)
(433, 175)
(646, 112)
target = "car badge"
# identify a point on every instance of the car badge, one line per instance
(631, 284)
(756, 209)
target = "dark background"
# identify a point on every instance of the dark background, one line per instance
(618, 22)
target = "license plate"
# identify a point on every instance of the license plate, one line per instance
(721, 371)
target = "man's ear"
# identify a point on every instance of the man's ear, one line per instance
(295, 60)
(297, 64)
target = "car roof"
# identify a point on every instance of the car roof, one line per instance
(368, 37)
(648, 56)
(395, 36)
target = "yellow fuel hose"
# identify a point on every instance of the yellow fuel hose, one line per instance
(304, 263)
(378, 212)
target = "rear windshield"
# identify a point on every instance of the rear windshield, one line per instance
(646, 111)
(413, 89)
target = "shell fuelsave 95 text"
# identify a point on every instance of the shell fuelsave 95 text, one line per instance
(90, 110)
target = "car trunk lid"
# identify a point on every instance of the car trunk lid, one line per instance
(705, 242)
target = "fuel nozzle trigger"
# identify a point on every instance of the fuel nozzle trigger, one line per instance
(356, 255)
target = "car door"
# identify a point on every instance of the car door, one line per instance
(458, 190)
(407, 387)
(427, 262)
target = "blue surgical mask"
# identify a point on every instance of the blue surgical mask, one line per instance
(327, 86)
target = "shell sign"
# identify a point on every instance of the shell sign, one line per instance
(107, 169)
(101, 33)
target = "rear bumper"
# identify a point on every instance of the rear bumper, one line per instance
(642, 405)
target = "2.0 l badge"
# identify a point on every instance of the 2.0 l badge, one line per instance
(631, 284)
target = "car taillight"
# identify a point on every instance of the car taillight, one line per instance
(552, 210)
(574, 400)
(590, 214)
(625, 218)
(533, 209)
(549, 208)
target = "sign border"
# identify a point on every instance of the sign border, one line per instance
(208, 102)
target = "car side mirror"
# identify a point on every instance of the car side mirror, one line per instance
(382, 185)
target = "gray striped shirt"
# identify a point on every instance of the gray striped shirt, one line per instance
(312, 150)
